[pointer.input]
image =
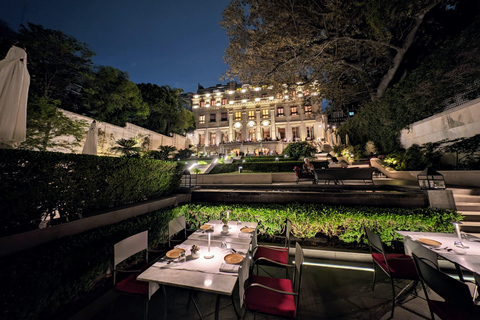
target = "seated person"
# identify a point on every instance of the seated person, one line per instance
(309, 169)
(333, 163)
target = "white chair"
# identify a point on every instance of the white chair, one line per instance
(175, 226)
(122, 251)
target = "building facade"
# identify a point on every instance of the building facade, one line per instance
(237, 118)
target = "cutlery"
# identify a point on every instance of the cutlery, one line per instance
(234, 251)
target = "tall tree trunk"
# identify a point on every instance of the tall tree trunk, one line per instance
(397, 60)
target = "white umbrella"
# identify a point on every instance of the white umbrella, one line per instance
(90, 146)
(14, 83)
(347, 141)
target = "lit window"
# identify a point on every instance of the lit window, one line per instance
(264, 113)
(308, 109)
(224, 101)
(251, 114)
(213, 117)
(293, 111)
(213, 102)
(202, 103)
(280, 112)
(201, 119)
(238, 115)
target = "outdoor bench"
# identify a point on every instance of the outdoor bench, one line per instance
(340, 174)
(301, 175)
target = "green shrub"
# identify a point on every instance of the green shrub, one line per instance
(35, 184)
(295, 150)
(308, 220)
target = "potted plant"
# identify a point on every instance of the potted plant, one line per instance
(225, 224)
(195, 251)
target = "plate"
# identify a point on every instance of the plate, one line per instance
(223, 232)
(429, 242)
(174, 253)
(205, 227)
(233, 258)
(247, 230)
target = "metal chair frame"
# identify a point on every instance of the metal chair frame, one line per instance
(375, 243)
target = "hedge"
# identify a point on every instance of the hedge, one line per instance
(284, 166)
(35, 184)
(308, 220)
(36, 282)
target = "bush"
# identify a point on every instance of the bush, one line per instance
(37, 184)
(308, 220)
(295, 150)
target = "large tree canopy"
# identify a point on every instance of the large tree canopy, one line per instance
(167, 114)
(353, 48)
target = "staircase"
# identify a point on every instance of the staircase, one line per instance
(467, 202)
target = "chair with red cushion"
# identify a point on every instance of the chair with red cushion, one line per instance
(272, 296)
(122, 251)
(271, 255)
(458, 302)
(395, 266)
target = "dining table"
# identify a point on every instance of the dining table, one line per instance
(466, 254)
(212, 269)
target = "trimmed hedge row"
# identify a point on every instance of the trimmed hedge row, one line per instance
(308, 220)
(284, 166)
(36, 282)
(35, 184)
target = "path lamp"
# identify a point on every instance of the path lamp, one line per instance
(430, 179)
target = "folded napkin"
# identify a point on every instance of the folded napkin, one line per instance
(245, 235)
(225, 267)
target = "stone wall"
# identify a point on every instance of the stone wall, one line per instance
(459, 122)
(109, 134)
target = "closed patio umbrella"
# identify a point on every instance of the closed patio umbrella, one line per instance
(90, 146)
(347, 141)
(14, 84)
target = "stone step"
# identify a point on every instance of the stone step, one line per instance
(466, 198)
(470, 227)
(467, 206)
(465, 191)
(470, 215)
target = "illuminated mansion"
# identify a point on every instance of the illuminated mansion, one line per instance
(236, 118)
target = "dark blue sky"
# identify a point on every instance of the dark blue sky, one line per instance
(175, 43)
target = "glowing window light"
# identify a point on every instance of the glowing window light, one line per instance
(257, 99)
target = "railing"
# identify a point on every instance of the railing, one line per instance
(189, 180)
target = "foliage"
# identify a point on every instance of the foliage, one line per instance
(56, 62)
(113, 97)
(167, 114)
(46, 124)
(165, 152)
(309, 220)
(202, 163)
(449, 72)
(184, 153)
(467, 151)
(354, 56)
(37, 185)
(60, 271)
(351, 153)
(296, 150)
(221, 161)
(262, 167)
(196, 170)
(415, 158)
(127, 147)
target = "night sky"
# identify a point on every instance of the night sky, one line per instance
(175, 43)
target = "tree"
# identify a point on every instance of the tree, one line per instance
(166, 112)
(56, 63)
(354, 49)
(300, 149)
(127, 147)
(114, 98)
(46, 124)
